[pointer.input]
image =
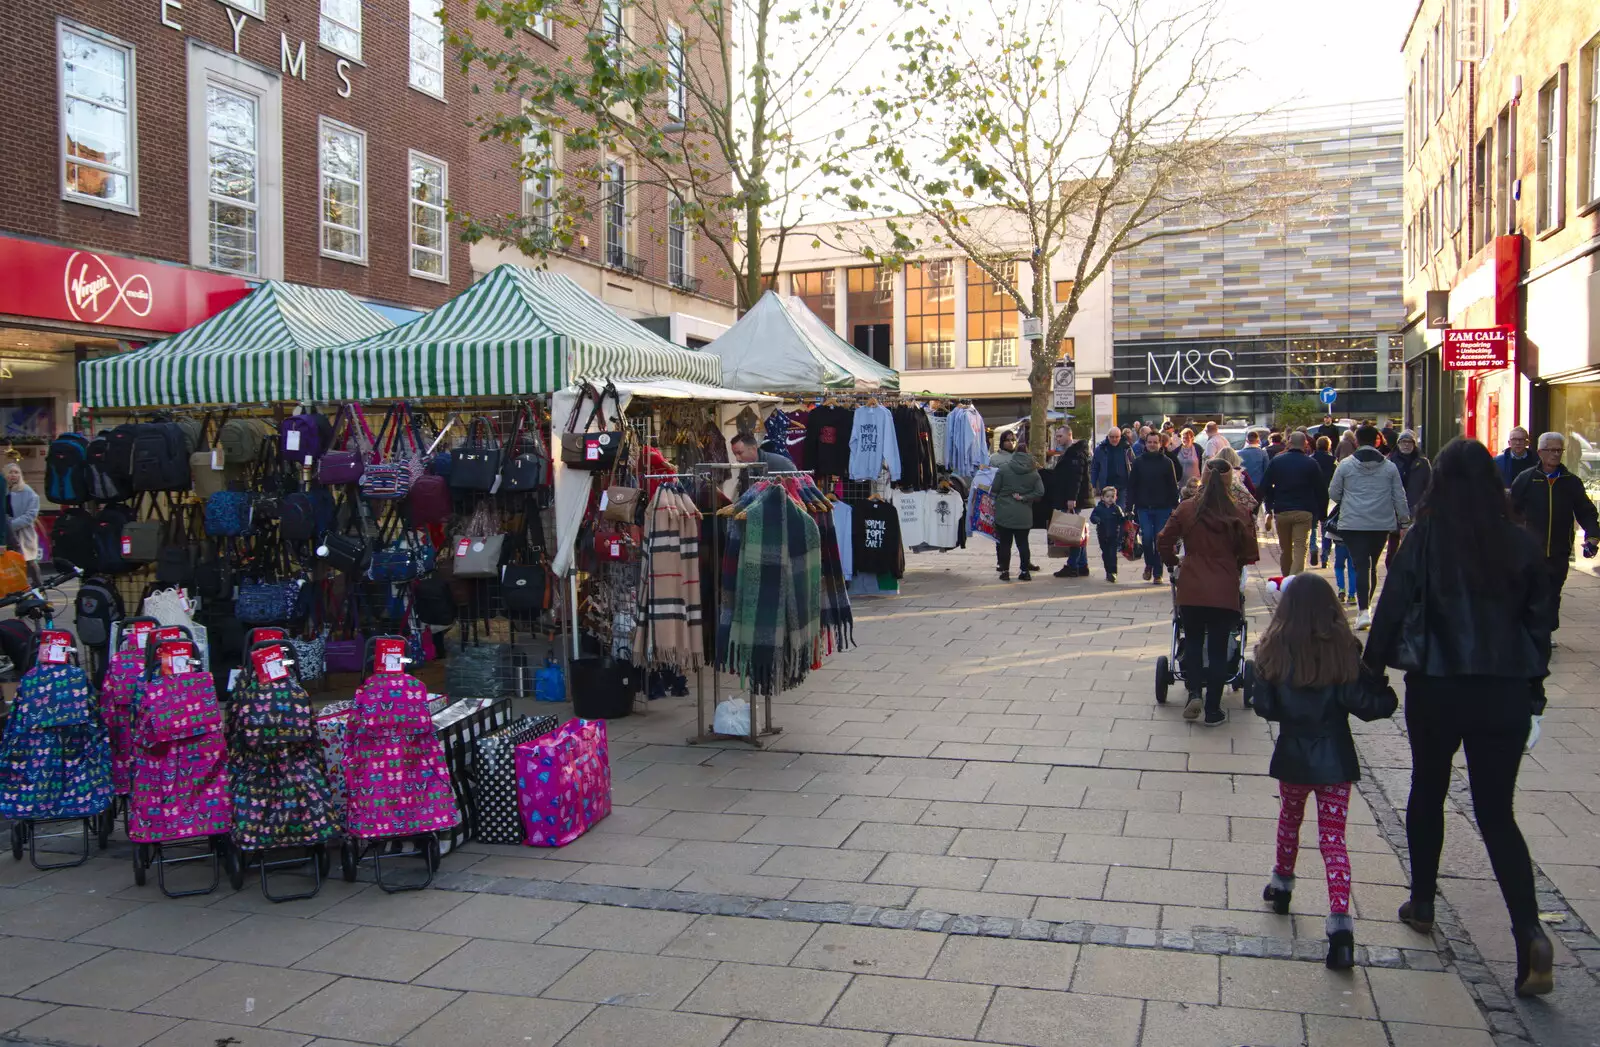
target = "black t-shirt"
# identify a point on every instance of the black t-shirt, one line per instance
(877, 538)
(827, 446)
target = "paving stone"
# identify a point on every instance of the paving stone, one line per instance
(121, 979)
(611, 1026)
(991, 961)
(1327, 1031)
(821, 863)
(62, 916)
(974, 903)
(93, 1027)
(802, 832)
(238, 994)
(1164, 885)
(1058, 1019)
(46, 959)
(773, 1034)
(883, 837)
(928, 870)
(855, 893)
(1425, 997)
(410, 910)
(1194, 1025)
(482, 1020)
(1152, 975)
(782, 994)
(357, 1009)
(512, 968)
(383, 953)
(277, 941)
(209, 1034)
(692, 825)
(1303, 988)
(995, 843)
(874, 950)
(974, 815)
(505, 919)
(900, 1005)
(617, 929)
(657, 982)
(745, 941)
(16, 1013)
(1053, 879)
(700, 855)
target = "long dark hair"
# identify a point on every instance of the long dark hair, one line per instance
(1467, 513)
(1308, 643)
(1215, 498)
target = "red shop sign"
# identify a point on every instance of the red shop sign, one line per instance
(93, 287)
(1478, 348)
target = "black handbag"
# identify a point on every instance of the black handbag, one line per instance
(346, 552)
(475, 464)
(434, 602)
(524, 589)
(526, 468)
(596, 450)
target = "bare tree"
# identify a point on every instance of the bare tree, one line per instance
(1080, 129)
(733, 107)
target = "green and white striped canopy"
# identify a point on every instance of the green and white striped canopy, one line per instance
(254, 351)
(516, 331)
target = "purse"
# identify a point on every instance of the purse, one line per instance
(593, 451)
(205, 468)
(311, 657)
(349, 553)
(141, 540)
(622, 504)
(524, 589)
(525, 470)
(478, 557)
(347, 654)
(339, 466)
(475, 463)
(391, 480)
(268, 603)
(229, 513)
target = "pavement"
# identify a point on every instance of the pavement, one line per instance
(976, 826)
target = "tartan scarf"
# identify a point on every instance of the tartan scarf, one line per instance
(772, 584)
(672, 610)
(837, 623)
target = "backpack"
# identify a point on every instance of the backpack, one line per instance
(160, 458)
(240, 439)
(104, 485)
(66, 472)
(303, 437)
(17, 643)
(175, 566)
(228, 513)
(119, 454)
(72, 538)
(98, 605)
(306, 515)
(107, 539)
(193, 431)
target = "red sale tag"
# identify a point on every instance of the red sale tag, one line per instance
(264, 634)
(270, 663)
(177, 657)
(127, 546)
(391, 656)
(462, 544)
(53, 646)
(169, 632)
(141, 633)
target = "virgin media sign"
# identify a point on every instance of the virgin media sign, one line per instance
(49, 282)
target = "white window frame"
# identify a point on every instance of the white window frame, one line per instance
(614, 24)
(63, 27)
(324, 125)
(205, 66)
(677, 73)
(429, 18)
(443, 275)
(542, 212)
(1452, 32)
(1439, 72)
(324, 17)
(1589, 124)
(615, 198)
(1455, 196)
(1505, 163)
(678, 225)
(257, 8)
(540, 24)
(1550, 165)
(1424, 111)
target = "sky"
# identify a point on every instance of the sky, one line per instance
(1304, 54)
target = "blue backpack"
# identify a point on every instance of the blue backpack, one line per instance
(66, 469)
(228, 514)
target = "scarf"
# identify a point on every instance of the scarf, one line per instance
(772, 583)
(672, 619)
(837, 623)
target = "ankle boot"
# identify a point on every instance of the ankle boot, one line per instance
(1278, 891)
(1417, 916)
(1535, 961)
(1341, 942)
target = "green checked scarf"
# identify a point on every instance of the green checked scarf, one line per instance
(775, 628)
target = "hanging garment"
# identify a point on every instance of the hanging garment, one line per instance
(777, 430)
(942, 518)
(827, 444)
(844, 530)
(794, 441)
(939, 431)
(769, 630)
(670, 634)
(394, 765)
(281, 796)
(965, 452)
(872, 444)
(838, 624)
(878, 548)
(180, 766)
(55, 760)
(910, 506)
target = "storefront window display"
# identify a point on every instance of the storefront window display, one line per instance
(1575, 414)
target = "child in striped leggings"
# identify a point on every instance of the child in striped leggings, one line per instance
(1309, 679)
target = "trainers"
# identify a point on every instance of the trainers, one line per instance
(1216, 717)
(1147, 572)
(1341, 596)
(1363, 621)
(1005, 576)
(1193, 708)
(1110, 577)
(1350, 598)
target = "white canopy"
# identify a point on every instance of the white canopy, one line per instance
(781, 346)
(571, 486)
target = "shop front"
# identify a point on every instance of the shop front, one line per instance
(61, 304)
(1563, 338)
(1240, 380)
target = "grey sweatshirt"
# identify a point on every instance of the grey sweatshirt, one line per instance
(1369, 492)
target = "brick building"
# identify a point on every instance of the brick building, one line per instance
(1502, 203)
(164, 155)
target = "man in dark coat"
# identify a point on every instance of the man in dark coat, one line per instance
(1150, 496)
(1109, 468)
(1549, 498)
(1066, 488)
(1328, 428)
(1516, 458)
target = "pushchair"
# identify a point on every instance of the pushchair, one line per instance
(55, 758)
(396, 782)
(281, 798)
(1241, 670)
(179, 793)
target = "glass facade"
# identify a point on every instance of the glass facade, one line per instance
(816, 289)
(930, 315)
(1575, 414)
(869, 305)
(991, 319)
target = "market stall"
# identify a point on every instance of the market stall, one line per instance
(781, 346)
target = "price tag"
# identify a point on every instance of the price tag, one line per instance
(169, 632)
(605, 499)
(391, 656)
(270, 663)
(264, 634)
(216, 459)
(177, 658)
(308, 462)
(53, 646)
(291, 440)
(140, 631)
(184, 601)
(462, 544)
(591, 452)
(127, 546)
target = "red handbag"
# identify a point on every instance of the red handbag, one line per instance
(430, 500)
(615, 545)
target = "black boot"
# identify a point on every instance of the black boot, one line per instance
(1341, 942)
(1418, 917)
(1535, 961)
(1278, 892)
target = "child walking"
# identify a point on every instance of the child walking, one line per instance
(1309, 679)
(1108, 519)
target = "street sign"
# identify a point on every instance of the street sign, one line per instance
(1478, 349)
(1329, 395)
(1032, 328)
(1438, 309)
(1064, 386)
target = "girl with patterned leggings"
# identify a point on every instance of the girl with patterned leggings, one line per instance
(1309, 679)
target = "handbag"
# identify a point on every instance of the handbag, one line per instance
(524, 588)
(347, 654)
(229, 514)
(267, 603)
(550, 682)
(615, 546)
(206, 467)
(339, 466)
(622, 504)
(401, 561)
(311, 657)
(348, 553)
(392, 479)
(434, 603)
(525, 470)
(141, 540)
(478, 557)
(594, 451)
(1066, 528)
(475, 463)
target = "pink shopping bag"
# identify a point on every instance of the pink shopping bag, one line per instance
(563, 783)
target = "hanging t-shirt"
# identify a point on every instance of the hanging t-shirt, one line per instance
(939, 425)
(941, 519)
(911, 507)
(844, 531)
(873, 444)
(795, 439)
(877, 539)
(827, 444)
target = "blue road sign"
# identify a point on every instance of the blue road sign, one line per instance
(1329, 395)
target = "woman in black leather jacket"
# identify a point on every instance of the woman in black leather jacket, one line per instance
(1467, 612)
